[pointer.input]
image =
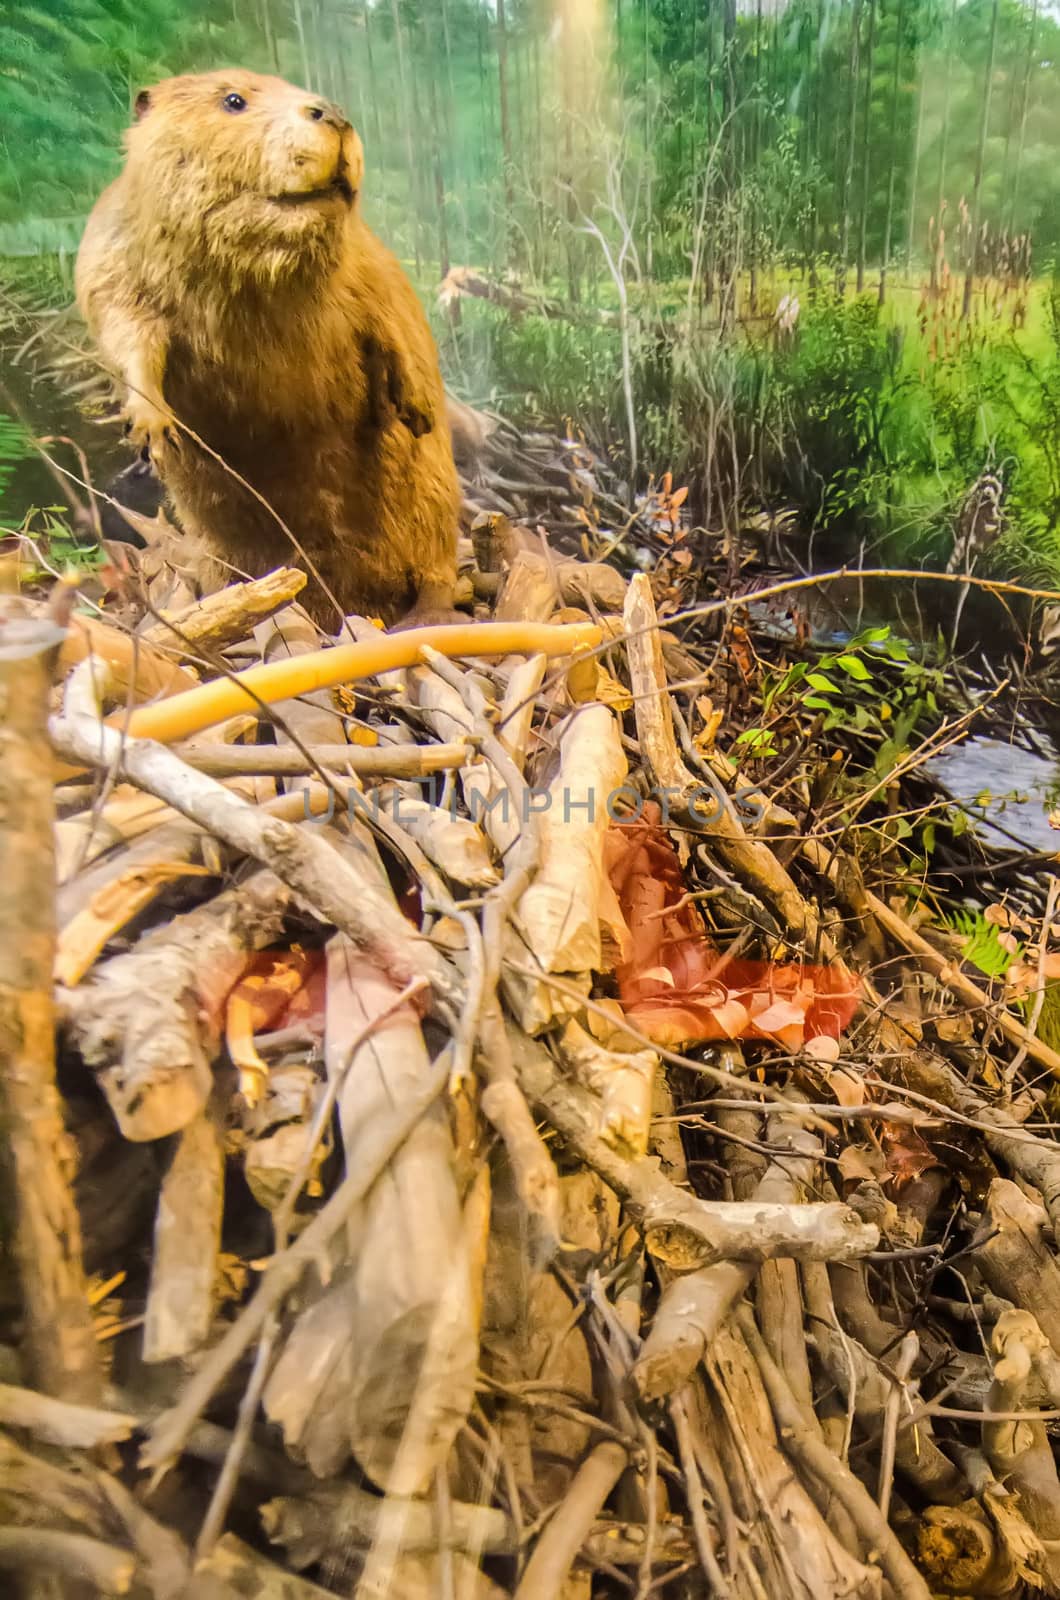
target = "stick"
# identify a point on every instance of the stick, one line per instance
(59, 1339)
(947, 972)
(72, 1557)
(225, 617)
(170, 1432)
(387, 761)
(182, 1291)
(60, 1422)
(557, 1547)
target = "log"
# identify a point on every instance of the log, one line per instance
(59, 1342)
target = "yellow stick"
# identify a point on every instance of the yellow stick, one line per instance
(182, 715)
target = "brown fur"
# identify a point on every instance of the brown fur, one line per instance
(229, 280)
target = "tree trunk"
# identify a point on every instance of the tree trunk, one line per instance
(506, 136)
(299, 22)
(914, 179)
(848, 165)
(411, 165)
(39, 1212)
(1025, 102)
(865, 148)
(895, 84)
(980, 153)
(944, 137)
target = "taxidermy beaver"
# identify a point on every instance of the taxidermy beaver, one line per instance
(259, 326)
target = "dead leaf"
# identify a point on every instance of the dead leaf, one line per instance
(673, 985)
(858, 1162)
(823, 1048)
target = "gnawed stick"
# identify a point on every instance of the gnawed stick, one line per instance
(62, 1422)
(679, 1229)
(169, 1433)
(320, 1525)
(383, 761)
(153, 1062)
(70, 1557)
(227, 615)
(570, 907)
(46, 1229)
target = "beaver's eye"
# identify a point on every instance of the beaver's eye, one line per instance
(234, 102)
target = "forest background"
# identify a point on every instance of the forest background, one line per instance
(800, 255)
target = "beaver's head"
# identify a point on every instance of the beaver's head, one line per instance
(257, 174)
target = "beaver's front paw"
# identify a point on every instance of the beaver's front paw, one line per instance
(418, 422)
(150, 427)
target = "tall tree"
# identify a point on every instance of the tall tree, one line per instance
(866, 147)
(892, 164)
(980, 154)
(853, 75)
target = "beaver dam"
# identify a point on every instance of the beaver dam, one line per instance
(559, 1105)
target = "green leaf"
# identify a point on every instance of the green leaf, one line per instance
(818, 681)
(855, 667)
(815, 703)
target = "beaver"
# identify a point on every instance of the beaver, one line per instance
(279, 369)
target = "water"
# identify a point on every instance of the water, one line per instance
(1006, 788)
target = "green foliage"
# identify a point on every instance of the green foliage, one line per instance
(871, 685)
(981, 945)
(14, 447)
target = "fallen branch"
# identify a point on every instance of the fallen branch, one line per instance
(681, 1231)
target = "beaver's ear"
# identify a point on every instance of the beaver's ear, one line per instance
(142, 104)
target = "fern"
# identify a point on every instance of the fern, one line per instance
(981, 945)
(15, 446)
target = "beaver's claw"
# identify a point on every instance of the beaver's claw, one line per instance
(150, 427)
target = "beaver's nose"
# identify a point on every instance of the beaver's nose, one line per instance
(324, 111)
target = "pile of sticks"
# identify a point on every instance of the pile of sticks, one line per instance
(371, 1233)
